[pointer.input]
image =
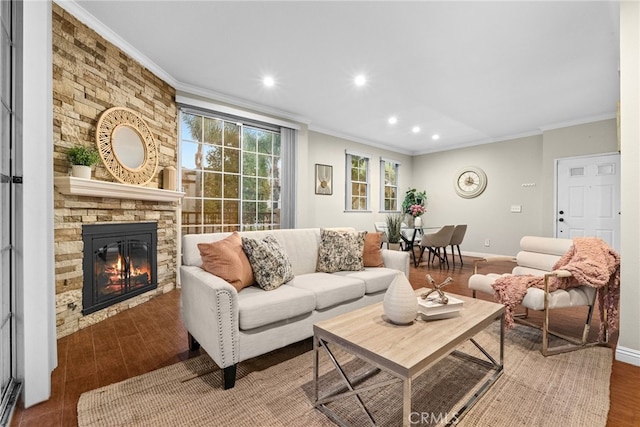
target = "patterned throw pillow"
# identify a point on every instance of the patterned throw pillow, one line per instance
(270, 264)
(340, 251)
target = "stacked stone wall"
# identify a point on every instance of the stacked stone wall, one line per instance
(91, 75)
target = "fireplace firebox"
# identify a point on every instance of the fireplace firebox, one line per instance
(119, 262)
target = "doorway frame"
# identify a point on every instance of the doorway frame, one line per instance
(555, 184)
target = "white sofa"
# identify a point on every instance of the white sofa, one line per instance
(233, 326)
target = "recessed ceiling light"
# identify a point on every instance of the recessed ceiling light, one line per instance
(435, 137)
(268, 81)
(360, 80)
(393, 120)
(415, 129)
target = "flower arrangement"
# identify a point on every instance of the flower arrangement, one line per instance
(412, 198)
(416, 210)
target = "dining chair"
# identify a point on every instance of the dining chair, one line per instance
(433, 242)
(456, 239)
(381, 227)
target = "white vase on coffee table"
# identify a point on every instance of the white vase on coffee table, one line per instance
(400, 302)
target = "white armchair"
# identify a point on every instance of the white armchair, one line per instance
(537, 257)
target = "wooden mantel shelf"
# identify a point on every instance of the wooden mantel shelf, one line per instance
(95, 188)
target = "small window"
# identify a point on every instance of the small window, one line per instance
(389, 187)
(576, 172)
(606, 169)
(357, 183)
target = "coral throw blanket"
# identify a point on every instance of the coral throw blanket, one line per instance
(591, 261)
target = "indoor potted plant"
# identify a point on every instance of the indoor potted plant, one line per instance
(394, 225)
(82, 157)
(413, 205)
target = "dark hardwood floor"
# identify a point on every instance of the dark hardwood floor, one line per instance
(151, 335)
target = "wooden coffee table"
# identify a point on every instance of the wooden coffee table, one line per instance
(405, 351)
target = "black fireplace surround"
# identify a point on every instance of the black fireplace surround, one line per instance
(119, 262)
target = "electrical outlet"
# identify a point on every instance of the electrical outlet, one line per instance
(516, 208)
(487, 242)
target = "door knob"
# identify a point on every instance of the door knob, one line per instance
(561, 219)
(561, 212)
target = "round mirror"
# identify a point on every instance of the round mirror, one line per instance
(128, 147)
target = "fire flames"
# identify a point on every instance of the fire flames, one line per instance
(115, 276)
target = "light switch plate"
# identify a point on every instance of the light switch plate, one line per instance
(516, 208)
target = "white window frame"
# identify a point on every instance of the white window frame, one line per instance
(348, 181)
(205, 226)
(383, 185)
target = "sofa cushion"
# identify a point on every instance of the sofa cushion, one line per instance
(329, 289)
(226, 259)
(257, 307)
(270, 264)
(375, 279)
(300, 244)
(574, 297)
(483, 282)
(534, 299)
(372, 253)
(340, 250)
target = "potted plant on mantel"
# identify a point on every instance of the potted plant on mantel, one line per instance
(82, 157)
(394, 226)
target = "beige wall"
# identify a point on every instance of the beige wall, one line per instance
(329, 211)
(519, 172)
(582, 140)
(488, 216)
(628, 349)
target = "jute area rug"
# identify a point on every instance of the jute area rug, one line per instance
(276, 389)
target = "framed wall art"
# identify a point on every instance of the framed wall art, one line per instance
(324, 179)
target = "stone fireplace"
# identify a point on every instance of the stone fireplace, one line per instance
(90, 76)
(106, 222)
(119, 262)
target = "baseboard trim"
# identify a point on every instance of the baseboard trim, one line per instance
(480, 254)
(628, 355)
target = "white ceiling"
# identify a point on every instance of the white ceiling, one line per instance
(472, 72)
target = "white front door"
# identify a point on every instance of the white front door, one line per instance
(588, 198)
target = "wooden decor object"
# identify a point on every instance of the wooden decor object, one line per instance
(127, 146)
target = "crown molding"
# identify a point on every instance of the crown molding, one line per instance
(352, 138)
(577, 122)
(108, 34)
(99, 27)
(210, 95)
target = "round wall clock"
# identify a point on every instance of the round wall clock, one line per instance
(470, 182)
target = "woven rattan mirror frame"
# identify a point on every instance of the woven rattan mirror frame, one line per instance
(110, 121)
